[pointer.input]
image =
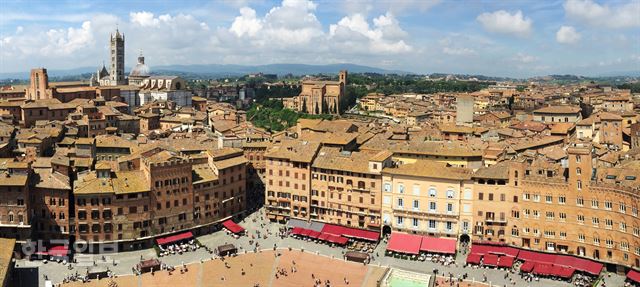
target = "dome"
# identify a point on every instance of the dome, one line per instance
(140, 70)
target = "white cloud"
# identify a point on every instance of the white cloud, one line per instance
(291, 23)
(458, 51)
(143, 18)
(402, 7)
(246, 23)
(524, 58)
(504, 22)
(620, 16)
(567, 35)
(65, 42)
(386, 35)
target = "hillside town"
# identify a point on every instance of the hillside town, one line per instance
(513, 176)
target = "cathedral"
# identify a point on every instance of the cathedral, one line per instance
(115, 75)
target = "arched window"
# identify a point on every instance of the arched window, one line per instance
(361, 184)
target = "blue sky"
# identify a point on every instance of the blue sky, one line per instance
(503, 38)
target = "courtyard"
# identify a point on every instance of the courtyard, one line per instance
(323, 261)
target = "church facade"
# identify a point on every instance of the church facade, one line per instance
(319, 97)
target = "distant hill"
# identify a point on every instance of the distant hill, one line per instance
(215, 70)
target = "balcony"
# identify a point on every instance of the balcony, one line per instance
(495, 221)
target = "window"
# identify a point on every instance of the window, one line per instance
(578, 171)
(432, 224)
(595, 221)
(536, 197)
(622, 207)
(415, 222)
(387, 187)
(526, 196)
(450, 193)
(400, 220)
(449, 226)
(579, 185)
(562, 199)
(581, 237)
(563, 216)
(548, 199)
(416, 204)
(432, 206)
(400, 203)
(401, 188)
(579, 201)
(580, 218)
(623, 227)
(416, 190)
(608, 205)
(449, 207)
(608, 223)
(594, 203)
(432, 192)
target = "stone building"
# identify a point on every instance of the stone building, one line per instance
(425, 197)
(345, 187)
(319, 97)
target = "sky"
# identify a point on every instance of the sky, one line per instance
(518, 38)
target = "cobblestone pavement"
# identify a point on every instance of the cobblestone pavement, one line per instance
(56, 272)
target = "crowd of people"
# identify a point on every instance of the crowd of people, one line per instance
(178, 248)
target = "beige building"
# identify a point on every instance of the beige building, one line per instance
(288, 179)
(346, 187)
(558, 114)
(427, 197)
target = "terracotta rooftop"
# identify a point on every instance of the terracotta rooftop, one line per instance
(558, 110)
(431, 169)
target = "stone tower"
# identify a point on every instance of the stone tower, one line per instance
(117, 59)
(39, 85)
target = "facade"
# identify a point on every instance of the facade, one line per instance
(155, 193)
(164, 88)
(288, 180)
(39, 85)
(558, 114)
(345, 187)
(15, 218)
(319, 97)
(426, 198)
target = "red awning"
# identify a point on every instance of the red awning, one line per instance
(314, 234)
(527, 266)
(340, 240)
(634, 276)
(438, 245)
(490, 260)
(506, 261)
(232, 226)
(404, 243)
(305, 232)
(351, 232)
(296, 230)
(543, 269)
(581, 264)
(60, 251)
(324, 236)
(474, 258)
(563, 272)
(174, 238)
(495, 249)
